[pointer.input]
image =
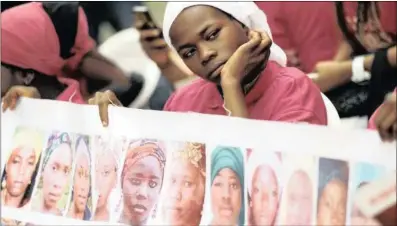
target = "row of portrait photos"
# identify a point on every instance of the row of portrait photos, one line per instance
(154, 182)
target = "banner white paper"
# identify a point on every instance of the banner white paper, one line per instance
(61, 167)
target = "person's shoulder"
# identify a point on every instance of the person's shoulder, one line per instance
(187, 95)
(195, 86)
(293, 81)
(291, 76)
(296, 96)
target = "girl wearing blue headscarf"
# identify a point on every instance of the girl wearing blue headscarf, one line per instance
(227, 186)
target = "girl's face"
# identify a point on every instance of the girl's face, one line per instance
(19, 170)
(205, 38)
(299, 199)
(56, 175)
(106, 176)
(185, 190)
(82, 174)
(226, 197)
(141, 188)
(264, 196)
(332, 204)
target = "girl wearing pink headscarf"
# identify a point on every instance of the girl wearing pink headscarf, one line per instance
(47, 52)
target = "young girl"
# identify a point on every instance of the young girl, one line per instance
(243, 74)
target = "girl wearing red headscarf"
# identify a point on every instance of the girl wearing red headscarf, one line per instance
(48, 53)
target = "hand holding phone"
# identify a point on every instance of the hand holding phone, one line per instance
(151, 37)
(144, 21)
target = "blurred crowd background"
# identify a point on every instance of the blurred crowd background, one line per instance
(98, 13)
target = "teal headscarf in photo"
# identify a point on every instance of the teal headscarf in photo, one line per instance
(231, 158)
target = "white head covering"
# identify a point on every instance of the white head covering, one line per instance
(247, 13)
(86, 151)
(260, 158)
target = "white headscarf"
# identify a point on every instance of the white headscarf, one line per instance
(260, 158)
(247, 13)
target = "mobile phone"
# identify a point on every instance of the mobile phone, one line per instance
(141, 13)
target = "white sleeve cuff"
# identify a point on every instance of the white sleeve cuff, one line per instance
(358, 72)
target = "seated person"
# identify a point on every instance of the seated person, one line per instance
(306, 31)
(242, 73)
(56, 59)
(364, 67)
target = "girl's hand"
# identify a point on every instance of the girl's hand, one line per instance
(249, 55)
(386, 118)
(12, 96)
(103, 100)
(154, 45)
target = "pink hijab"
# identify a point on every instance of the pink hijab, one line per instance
(29, 41)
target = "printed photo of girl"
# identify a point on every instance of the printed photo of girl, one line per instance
(108, 163)
(227, 186)
(264, 182)
(53, 191)
(142, 180)
(362, 174)
(332, 192)
(21, 169)
(81, 200)
(182, 196)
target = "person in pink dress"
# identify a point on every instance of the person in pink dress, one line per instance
(42, 56)
(243, 74)
(306, 31)
(363, 69)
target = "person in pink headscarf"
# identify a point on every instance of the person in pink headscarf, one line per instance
(47, 52)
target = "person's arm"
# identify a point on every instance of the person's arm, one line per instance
(87, 61)
(168, 61)
(252, 53)
(344, 51)
(234, 100)
(95, 66)
(332, 74)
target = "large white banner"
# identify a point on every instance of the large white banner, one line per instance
(61, 167)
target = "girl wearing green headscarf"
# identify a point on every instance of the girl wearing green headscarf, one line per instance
(227, 186)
